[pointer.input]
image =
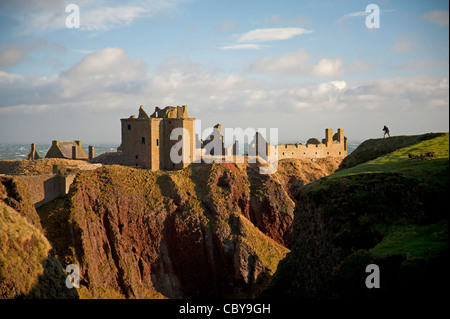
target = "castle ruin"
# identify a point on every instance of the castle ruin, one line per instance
(332, 145)
(147, 143)
(67, 150)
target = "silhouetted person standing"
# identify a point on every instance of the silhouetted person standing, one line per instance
(386, 131)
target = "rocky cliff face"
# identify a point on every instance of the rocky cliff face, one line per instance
(214, 230)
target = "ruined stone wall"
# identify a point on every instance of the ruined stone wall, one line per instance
(310, 151)
(335, 146)
(188, 142)
(136, 142)
(189, 125)
(47, 187)
(155, 143)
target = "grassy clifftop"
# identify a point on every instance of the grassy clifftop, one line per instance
(373, 148)
(433, 168)
(390, 210)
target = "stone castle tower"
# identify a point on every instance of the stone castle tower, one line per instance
(146, 139)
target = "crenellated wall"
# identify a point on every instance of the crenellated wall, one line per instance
(332, 145)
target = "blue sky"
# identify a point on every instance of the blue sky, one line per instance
(300, 66)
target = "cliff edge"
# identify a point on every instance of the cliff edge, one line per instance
(391, 211)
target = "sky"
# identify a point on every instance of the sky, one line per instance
(299, 66)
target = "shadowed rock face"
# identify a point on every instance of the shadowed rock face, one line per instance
(338, 227)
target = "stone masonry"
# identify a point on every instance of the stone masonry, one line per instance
(146, 141)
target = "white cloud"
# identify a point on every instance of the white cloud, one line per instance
(327, 68)
(361, 14)
(357, 14)
(298, 63)
(271, 34)
(438, 17)
(242, 46)
(96, 82)
(352, 14)
(108, 61)
(33, 17)
(103, 19)
(108, 85)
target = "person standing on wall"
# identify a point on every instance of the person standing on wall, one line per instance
(386, 131)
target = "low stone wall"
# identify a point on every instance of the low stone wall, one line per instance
(47, 187)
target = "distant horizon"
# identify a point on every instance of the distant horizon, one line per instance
(103, 147)
(303, 140)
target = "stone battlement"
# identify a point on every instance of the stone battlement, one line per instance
(335, 146)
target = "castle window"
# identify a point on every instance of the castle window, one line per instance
(316, 153)
(157, 142)
(137, 157)
(143, 140)
(339, 153)
(328, 153)
(129, 127)
(283, 153)
(292, 153)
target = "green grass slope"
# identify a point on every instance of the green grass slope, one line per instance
(373, 148)
(433, 169)
(399, 161)
(390, 210)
